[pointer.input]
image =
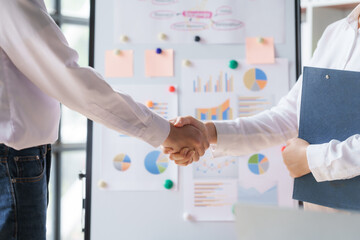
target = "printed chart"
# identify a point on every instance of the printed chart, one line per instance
(255, 79)
(156, 162)
(258, 164)
(161, 108)
(254, 196)
(122, 162)
(251, 105)
(223, 83)
(264, 179)
(222, 112)
(221, 167)
(211, 194)
(256, 178)
(129, 164)
(211, 200)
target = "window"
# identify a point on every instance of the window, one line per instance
(65, 207)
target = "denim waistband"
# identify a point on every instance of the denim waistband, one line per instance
(33, 151)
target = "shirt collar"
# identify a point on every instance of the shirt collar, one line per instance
(353, 17)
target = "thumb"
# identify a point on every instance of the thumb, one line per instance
(168, 150)
(172, 121)
(182, 121)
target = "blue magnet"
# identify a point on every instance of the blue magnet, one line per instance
(158, 51)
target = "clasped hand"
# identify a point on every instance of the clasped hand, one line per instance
(189, 138)
(187, 141)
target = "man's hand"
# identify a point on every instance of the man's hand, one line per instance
(188, 140)
(207, 128)
(186, 156)
(294, 156)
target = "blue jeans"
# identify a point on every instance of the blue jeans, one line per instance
(24, 178)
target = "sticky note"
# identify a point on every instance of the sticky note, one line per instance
(260, 52)
(159, 65)
(119, 63)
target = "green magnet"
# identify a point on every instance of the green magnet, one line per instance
(233, 64)
(168, 184)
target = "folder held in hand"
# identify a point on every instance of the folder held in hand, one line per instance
(330, 109)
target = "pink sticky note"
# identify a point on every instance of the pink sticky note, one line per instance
(119, 64)
(260, 52)
(159, 65)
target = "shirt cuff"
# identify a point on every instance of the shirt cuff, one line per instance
(223, 140)
(315, 156)
(157, 131)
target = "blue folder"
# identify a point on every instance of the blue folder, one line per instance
(330, 109)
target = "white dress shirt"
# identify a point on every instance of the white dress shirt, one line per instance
(338, 48)
(38, 70)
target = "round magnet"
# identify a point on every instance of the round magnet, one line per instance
(186, 63)
(124, 38)
(162, 36)
(172, 89)
(102, 184)
(149, 104)
(197, 38)
(233, 64)
(158, 51)
(168, 184)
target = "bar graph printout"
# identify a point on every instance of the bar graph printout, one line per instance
(211, 91)
(129, 164)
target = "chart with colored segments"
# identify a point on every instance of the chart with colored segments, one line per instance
(222, 112)
(255, 79)
(156, 162)
(122, 162)
(258, 164)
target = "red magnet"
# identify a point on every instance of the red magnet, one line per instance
(172, 89)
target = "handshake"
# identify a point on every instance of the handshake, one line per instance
(188, 139)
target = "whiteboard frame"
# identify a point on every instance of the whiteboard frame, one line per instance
(89, 145)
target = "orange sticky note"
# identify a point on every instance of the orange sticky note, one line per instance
(119, 63)
(159, 65)
(260, 51)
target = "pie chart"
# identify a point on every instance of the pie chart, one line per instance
(156, 162)
(255, 79)
(258, 164)
(122, 162)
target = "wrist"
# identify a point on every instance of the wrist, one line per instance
(211, 132)
(168, 140)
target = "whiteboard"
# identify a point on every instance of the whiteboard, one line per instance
(137, 215)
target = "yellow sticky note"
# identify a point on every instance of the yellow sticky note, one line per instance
(119, 63)
(260, 52)
(159, 65)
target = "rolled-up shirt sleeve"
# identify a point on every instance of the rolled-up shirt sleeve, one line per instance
(269, 128)
(335, 160)
(39, 50)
